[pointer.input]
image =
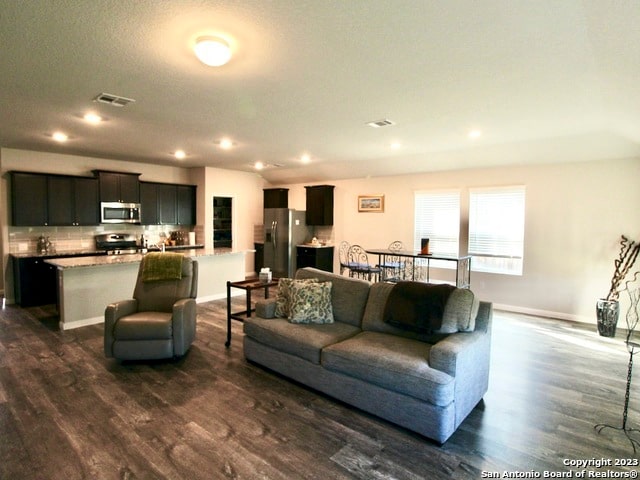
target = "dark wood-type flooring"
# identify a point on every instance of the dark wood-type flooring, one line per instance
(67, 412)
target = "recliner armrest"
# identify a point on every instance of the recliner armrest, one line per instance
(112, 313)
(183, 325)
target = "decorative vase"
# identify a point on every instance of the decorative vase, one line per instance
(607, 312)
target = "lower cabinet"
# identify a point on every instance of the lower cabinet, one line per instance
(35, 282)
(317, 257)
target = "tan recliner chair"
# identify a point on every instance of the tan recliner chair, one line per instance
(158, 322)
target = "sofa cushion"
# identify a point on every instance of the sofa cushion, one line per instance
(310, 302)
(460, 314)
(348, 295)
(302, 340)
(283, 296)
(395, 363)
(144, 326)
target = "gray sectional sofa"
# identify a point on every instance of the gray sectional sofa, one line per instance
(425, 382)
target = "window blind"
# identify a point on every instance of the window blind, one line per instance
(496, 229)
(437, 217)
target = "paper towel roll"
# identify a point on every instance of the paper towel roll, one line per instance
(192, 238)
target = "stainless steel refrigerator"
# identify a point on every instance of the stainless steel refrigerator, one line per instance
(284, 228)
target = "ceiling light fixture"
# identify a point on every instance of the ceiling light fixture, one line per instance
(225, 144)
(212, 51)
(93, 118)
(179, 154)
(60, 137)
(475, 134)
(258, 165)
(396, 145)
(306, 158)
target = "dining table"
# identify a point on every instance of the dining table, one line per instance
(421, 260)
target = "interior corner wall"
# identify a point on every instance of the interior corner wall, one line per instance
(575, 215)
(246, 191)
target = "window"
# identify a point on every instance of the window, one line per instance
(437, 217)
(496, 229)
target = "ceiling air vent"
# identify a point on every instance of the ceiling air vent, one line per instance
(380, 123)
(115, 100)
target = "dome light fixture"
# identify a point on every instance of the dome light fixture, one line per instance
(212, 51)
(60, 137)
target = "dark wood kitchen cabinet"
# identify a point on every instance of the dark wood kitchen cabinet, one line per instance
(53, 200)
(149, 203)
(316, 257)
(119, 187)
(35, 282)
(167, 204)
(319, 205)
(276, 198)
(28, 199)
(186, 198)
(72, 201)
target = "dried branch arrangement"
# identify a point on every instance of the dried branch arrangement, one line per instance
(629, 250)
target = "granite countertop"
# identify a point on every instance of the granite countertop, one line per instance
(93, 261)
(93, 252)
(64, 253)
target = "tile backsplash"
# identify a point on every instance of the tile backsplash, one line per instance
(66, 239)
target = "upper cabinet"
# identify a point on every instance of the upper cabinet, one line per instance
(29, 199)
(53, 200)
(72, 201)
(186, 204)
(319, 205)
(167, 204)
(119, 187)
(276, 198)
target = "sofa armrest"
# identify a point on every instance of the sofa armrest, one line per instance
(183, 325)
(466, 357)
(112, 313)
(266, 308)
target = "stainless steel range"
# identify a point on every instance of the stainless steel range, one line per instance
(117, 243)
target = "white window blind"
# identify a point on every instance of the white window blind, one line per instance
(437, 217)
(496, 229)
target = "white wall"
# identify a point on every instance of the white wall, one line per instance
(575, 214)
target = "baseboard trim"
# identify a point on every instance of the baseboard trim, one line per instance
(543, 313)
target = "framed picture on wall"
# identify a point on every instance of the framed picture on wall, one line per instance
(371, 203)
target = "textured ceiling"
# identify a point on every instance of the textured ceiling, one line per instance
(545, 81)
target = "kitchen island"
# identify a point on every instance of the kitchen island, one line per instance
(86, 285)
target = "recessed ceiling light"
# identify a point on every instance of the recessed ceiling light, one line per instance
(212, 51)
(60, 137)
(258, 165)
(475, 134)
(179, 154)
(93, 118)
(305, 158)
(225, 144)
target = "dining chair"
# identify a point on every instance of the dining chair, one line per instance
(393, 265)
(359, 265)
(343, 255)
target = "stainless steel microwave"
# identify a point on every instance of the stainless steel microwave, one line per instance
(116, 212)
